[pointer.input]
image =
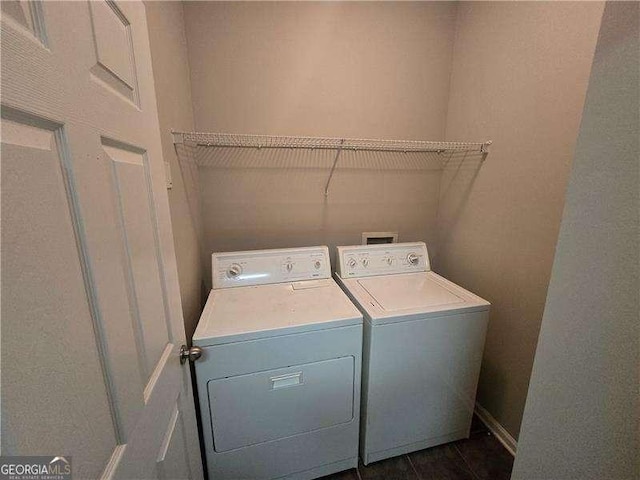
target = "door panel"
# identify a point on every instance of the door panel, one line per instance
(134, 212)
(115, 59)
(45, 307)
(102, 244)
(27, 15)
(171, 463)
(89, 281)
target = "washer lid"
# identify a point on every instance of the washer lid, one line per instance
(409, 296)
(402, 292)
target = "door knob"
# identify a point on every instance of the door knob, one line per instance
(191, 354)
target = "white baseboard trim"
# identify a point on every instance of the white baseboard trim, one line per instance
(498, 430)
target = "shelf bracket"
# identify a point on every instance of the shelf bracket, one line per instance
(333, 168)
(484, 149)
(177, 137)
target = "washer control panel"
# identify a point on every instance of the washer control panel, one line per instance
(383, 259)
(260, 267)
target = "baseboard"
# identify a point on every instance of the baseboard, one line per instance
(498, 430)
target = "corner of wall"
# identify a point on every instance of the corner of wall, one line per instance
(580, 418)
(175, 111)
(519, 76)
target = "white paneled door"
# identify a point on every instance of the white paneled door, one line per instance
(91, 318)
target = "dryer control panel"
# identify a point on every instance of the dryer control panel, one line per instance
(260, 267)
(383, 259)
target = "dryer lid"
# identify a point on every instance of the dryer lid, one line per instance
(404, 292)
(262, 311)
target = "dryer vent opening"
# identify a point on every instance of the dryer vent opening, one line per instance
(375, 238)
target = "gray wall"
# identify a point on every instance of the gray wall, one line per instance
(173, 92)
(581, 416)
(321, 68)
(519, 77)
(368, 70)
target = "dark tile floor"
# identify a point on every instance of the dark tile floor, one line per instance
(480, 457)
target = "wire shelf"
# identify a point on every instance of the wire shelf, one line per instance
(231, 140)
(237, 140)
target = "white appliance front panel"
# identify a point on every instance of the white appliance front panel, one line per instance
(420, 382)
(268, 405)
(402, 292)
(260, 267)
(306, 455)
(386, 259)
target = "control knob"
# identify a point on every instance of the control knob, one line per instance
(413, 259)
(234, 270)
(352, 263)
(365, 262)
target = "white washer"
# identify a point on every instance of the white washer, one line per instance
(279, 377)
(423, 343)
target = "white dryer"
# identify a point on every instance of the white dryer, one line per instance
(279, 377)
(423, 343)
